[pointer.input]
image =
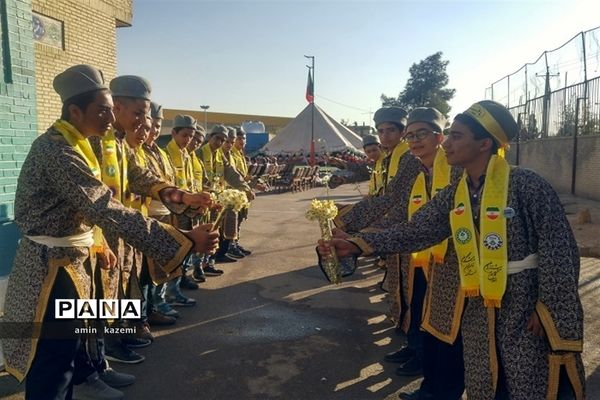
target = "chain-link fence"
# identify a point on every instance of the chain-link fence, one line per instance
(559, 93)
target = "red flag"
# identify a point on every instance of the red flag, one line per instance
(310, 89)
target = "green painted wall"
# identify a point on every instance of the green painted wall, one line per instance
(18, 126)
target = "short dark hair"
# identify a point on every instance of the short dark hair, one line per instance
(479, 132)
(397, 124)
(82, 101)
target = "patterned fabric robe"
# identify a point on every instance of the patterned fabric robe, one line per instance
(57, 195)
(498, 338)
(374, 213)
(142, 182)
(161, 166)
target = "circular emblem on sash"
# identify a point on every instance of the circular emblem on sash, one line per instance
(509, 212)
(111, 171)
(463, 236)
(492, 241)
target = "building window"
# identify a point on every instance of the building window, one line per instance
(48, 31)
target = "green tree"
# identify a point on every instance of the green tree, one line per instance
(426, 86)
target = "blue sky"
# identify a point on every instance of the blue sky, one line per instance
(247, 56)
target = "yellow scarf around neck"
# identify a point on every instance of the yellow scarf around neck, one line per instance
(483, 252)
(198, 172)
(114, 169)
(183, 167)
(398, 152)
(82, 146)
(376, 182)
(419, 196)
(215, 169)
(133, 200)
(240, 161)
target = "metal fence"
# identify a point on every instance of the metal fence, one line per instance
(559, 93)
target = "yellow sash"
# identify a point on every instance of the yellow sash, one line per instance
(376, 181)
(198, 171)
(114, 171)
(398, 152)
(240, 161)
(183, 168)
(130, 199)
(81, 145)
(483, 255)
(419, 196)
(215, 169)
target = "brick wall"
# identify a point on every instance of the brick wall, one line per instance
(89, 28)
(552, 158)
(17, 113)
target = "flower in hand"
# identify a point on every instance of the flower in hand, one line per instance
(343, 248)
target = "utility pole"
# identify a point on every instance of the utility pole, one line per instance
(311, 69)
(547, 93)
(205, 108)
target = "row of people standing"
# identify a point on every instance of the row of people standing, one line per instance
(482, 266)
(103, 217)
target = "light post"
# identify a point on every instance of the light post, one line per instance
(205, 108)
(312, 112)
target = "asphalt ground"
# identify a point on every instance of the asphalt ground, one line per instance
(273, 328)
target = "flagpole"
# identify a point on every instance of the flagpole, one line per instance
(312, 113)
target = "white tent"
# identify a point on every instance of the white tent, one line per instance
(329, 135)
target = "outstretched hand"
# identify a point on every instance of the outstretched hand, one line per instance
(205, 240)
(106, 258)
(343, 248)
(339, 234)
(197, 200)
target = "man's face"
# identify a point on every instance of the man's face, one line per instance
(216, 141)
(155, 130)
(461, 146)
(130, 113)
(227, 145)
(240, 142)
(373, 151)
(98, 117)
(183, 137)
(196, 142)
(140, 135)
(422, 141)
(389, 135)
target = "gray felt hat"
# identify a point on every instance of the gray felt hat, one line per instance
(77, 80)
(370, 139)
(219, 129)
(156, 111)
(395, 115)
(427, 114)
(131, 86)
(184, 121)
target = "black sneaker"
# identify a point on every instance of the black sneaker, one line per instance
(118, 352)
(413, 367)
(234, 252)
(243, 250)
(401, 356)
(136, 342)
(186, 283)
(212, 271)
(198, 275)
(224, 259)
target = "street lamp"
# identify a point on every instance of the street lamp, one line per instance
(205, 108)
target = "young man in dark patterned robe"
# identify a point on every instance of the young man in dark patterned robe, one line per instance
(59, 200)
(522, 324)
(400, 169)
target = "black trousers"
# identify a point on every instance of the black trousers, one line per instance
(53, 368)
(443, 368)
